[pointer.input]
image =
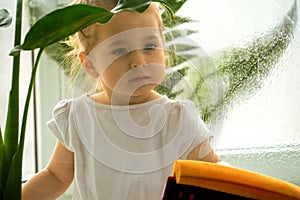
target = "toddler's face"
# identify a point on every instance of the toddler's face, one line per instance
(129, 55)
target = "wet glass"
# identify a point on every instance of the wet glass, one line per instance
(257, 43)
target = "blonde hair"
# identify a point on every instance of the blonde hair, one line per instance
(82, 42)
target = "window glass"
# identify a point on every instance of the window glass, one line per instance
(260, 128)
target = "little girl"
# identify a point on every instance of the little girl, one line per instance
(121, 142)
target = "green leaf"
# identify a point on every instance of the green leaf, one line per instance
(5, 18)
(176, 59)
(182, 48)
(171, 5)
(2, 158)
(1, 138)
(12, 124)
(61, 23)
(14, 180)
(175, 21)
(12, 121)
(171, 35)
(132, 5)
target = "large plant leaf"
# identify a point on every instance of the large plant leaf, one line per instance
(1, 138)
(2, 159)
(14, 179)
(12, 120)
(171, 5)
(5, 18)
(132, 5)
(61, 23)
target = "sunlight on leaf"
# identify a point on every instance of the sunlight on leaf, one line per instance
(64, 22)
(172, 6)
(132, 5)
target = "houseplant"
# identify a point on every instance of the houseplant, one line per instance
(50, 29)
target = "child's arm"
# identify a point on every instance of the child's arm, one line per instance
(204, 152)
(52, 181)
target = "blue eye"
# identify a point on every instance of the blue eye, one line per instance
(150, 46)
(120, 51)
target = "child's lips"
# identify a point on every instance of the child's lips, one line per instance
(139, 79)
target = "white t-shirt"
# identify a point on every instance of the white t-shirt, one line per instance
(126, 152)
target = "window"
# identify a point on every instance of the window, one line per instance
(260, 130)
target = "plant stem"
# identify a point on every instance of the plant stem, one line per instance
(12, 122)
(26, 107)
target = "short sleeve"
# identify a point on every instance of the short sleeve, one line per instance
(59, 124)
(202, 132)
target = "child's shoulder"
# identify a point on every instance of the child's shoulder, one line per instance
(64, 105)
(183, 103)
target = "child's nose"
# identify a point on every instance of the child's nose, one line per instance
(137, 58)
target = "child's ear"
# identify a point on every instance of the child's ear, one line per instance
(87, 65)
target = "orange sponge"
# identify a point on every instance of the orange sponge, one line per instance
(233, 180)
